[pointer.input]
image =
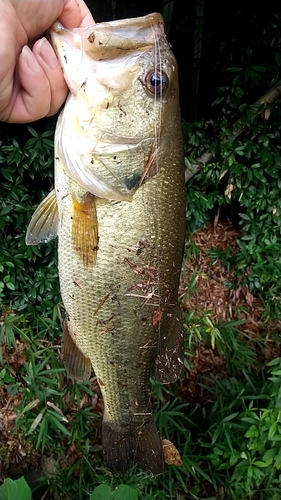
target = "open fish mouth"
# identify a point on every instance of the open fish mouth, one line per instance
(105, 40)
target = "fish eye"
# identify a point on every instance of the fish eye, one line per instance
(156, 82)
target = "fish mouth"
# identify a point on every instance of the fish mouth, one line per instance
(109, 38)
(120, 35)
(103, 41)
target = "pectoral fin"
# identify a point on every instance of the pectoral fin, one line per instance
(43, 226)
(84, 232)
(77, 365)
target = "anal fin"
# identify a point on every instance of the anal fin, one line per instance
(77, 365)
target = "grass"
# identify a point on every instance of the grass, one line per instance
(227, 433)
(228, 436)
(223, 415)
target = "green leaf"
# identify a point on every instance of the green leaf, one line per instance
(102, 492)
(218, 101)
(230, 417)
(32, 132)
(252, 432)
(259, 67)
(124, 492)
(56, 423)
(244, 216)
(259, 463)
(10, 285)
(272, 430)
(234, 70)
(6, 210)
(15, 490)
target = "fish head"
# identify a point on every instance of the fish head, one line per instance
(123, 86)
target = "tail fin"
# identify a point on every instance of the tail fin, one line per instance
(140, 445)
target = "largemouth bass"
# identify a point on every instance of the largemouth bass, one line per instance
(118, 209)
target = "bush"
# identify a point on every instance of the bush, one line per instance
(243, 184)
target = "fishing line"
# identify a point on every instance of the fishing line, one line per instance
(158, 105)
(158, 102)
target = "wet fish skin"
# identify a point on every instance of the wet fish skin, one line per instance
(121, 226)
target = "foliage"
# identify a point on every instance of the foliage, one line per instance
(245, 433)
(242, 183)
(23, 280)
(240, 428)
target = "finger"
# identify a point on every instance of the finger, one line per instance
(37, 88)
(31, 97)
(48, 61)
(38, 15)
(75, 14)
(35, 17)
(8, 54)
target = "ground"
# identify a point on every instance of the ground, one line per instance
(205, 291)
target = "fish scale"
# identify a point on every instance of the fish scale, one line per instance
(119, 214)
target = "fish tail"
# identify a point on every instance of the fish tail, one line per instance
(140, 445)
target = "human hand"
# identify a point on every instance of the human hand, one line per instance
(31, 79)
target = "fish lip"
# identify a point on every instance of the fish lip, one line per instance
(53, 34)
(149, 20)
(122, 35)
(103, 37)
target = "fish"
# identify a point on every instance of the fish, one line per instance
(118, 210)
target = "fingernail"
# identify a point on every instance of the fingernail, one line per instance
(30, 59)
(47, 53)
